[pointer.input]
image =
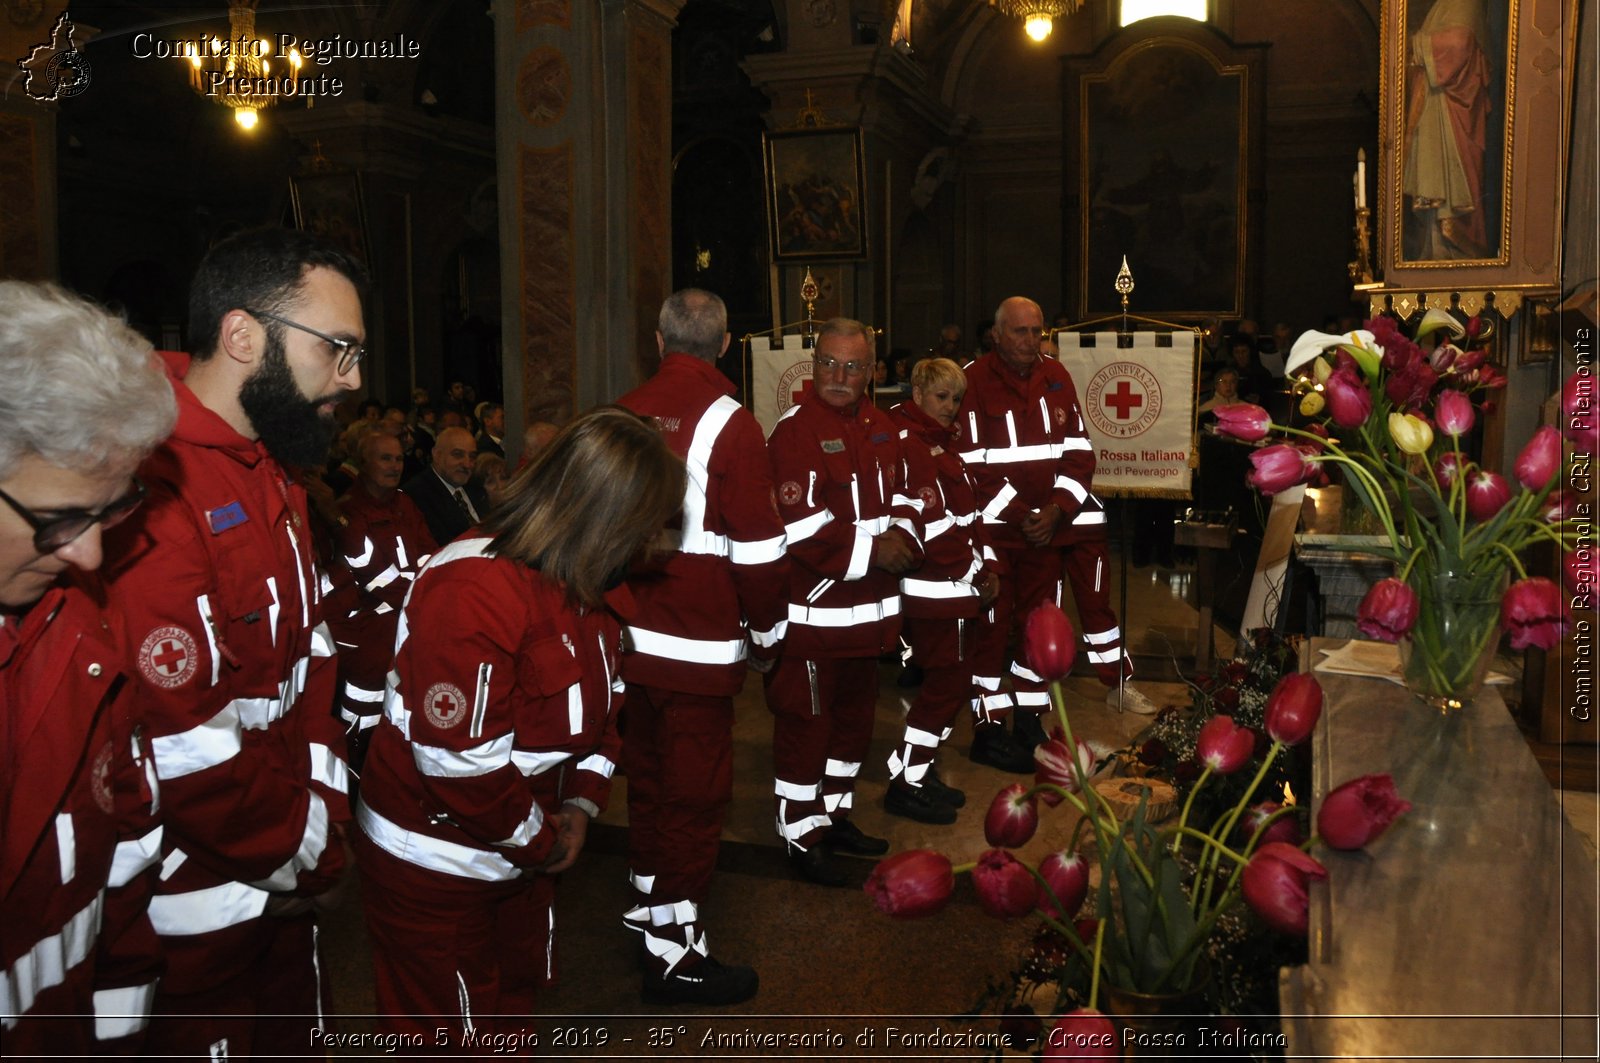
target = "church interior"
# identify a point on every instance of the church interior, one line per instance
(528, 179)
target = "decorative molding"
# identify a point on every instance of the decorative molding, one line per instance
(544, 85)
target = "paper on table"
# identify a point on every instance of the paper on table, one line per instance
(1377, 660)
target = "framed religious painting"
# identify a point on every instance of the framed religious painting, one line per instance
(330, 205)
(1476, 102)
(814, 190)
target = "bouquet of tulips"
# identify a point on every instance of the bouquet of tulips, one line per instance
(1162, 890)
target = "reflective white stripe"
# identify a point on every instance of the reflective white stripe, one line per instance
(997, 505)
(435, 854)
(328, 768)
(400, 552)
(120, 1012)
(206, 911)
(527, 830)
(480, 700)
(1085, 516)
(860, 554)
(1076, 443)
(838, 802)
(804, 528)
(481, 759)
(697, 466)
(694, 651)
(300, 565)
(322, 641)
(937, 588)
(45, 966)
(1031, 697)
(1102, 638)
(464, 1004)
(850, 616)
(908, 500)
(362, 694)
(214, 742)
(383, 579)
(276, 607)
(795, 791)
(842, 769)
(938, 527)
(672, 539)
(66, 846)
(598, 763)
(906, 526)
(875, 525)
(758, 552)
(359, 722)
(1022, 671)
(770, 637)
(313, 840)
(258, 714)
(793, 832)
(530, 764)
(383, 609)
(917, 737)
(133, 856)
(361, 559)
(203, 604)
(1015, 455)
(1103, 656)
(460, 550)
(1073, 488)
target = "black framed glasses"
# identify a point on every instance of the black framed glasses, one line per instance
(52, 533)
(350, 352)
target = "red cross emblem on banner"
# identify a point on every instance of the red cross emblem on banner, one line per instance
(800, 393)
(1122, 400)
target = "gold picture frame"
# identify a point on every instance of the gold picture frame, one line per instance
(815, 184)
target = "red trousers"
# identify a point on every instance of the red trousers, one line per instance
(943, 648)
(818, 742)
(1088, 567)
(454, 953)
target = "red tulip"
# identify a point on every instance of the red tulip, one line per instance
(1388, 610)
(1535, 614)
(1487, 494)
(1359, 810)
(1242, 420)
(1053, 764)
(1580, 569)
(1012, 817)
(1286, 830)
(1540, 459)
(1450, 463)
(1443, 357)
(1411, 386)
(1277, 468)
(1349, 401)
(1454, 413)
(1558, 506)
(1580, 410)
(911, 884)
(1049, 642)
(1224, 746)
(1293, 708)
(1005, 887)
(1083, 1033)
(1068, 876)
(1274, 885)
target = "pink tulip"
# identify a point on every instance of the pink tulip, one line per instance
(1449, 465)
(1286, 830)
(1535, 614)
(1049, 642)
(1277, 468)
(1487, 494)
(1006, 888)
(1580, 410)
(1388, 610)
(911, 884)
(1068, 877)
(1580, 570)
(1224, 746)
(1242, 420)
(1349, 401)
(1540, 459)
(1012, 817)
(1443, 357)
(1454, 413)
(1358, 811)
(1274, 885)
(1084, 1033)
(1293, 708)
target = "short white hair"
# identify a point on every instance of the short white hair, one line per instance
(80, 387)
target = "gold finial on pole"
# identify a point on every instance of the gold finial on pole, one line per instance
(808, 294)
(1124, 285)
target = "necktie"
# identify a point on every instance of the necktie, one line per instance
(466, 507)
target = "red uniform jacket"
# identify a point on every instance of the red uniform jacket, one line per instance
(221, 600)
(501, 708)
(80, 840)
(1026, 447)
(722, 574)
(841, 481)
(958, 555)
(382, 546)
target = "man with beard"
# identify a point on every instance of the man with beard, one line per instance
(450, 502)
(222, 601)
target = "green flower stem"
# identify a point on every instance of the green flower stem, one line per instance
(1522, 573)
(1066, 930)
(1233, 819)
(1183, 820)
(1099, 945)
(961, 869)
(1222, 850)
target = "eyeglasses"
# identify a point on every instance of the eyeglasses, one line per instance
(350, 352)
(828, 365)
(52, 533)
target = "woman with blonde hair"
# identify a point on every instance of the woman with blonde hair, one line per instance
(499, 735)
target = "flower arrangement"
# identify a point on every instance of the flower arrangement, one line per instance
(1392, 414)
(1163, 891)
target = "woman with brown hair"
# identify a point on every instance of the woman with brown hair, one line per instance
(499, 733)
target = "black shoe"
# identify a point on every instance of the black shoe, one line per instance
(993, 745)
(815, 866)
(846, 837)
(918, 803)
(910, 676)
(706, 982)
(941, 791)
(1028, 729)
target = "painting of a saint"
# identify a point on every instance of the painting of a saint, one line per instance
(814, 189)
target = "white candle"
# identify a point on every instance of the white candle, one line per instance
(1361, 178)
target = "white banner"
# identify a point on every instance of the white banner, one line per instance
(778, 377)
(1138, 407)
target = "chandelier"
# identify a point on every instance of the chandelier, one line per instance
(235, 72)
(1038, 16)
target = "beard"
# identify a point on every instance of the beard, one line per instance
(288, 424)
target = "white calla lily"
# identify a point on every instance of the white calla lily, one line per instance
(1312, 343)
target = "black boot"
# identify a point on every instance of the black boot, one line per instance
(939, 790)
(814, 865)
(706, 982)
(846, 837)
(993, 745)
(918, 803)
(1028, 728)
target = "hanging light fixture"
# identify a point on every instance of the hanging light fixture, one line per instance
(1038, 16)
(234, 72)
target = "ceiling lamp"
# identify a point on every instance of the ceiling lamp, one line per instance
(1038, 16)
(235, 72)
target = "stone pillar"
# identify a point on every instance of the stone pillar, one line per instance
(583, 137)
(28, 238)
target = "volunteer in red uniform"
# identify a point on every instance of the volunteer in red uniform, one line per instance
(1024, 440)
(499, 733)
(945, 598)
(712, 600)
(85, 400)
(383, 544)
(221, 599)
(852, 527)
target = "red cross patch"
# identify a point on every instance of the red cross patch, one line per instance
(928, 497)
(100, 781)
(168, 657)
(789, 493)
(1061, 415)
(445, 705)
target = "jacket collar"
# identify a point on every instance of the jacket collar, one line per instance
(700, 369)
(201, 426)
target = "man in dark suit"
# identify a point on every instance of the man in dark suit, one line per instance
(492, 439)
(449, 501)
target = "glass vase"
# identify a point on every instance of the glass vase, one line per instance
(1447, 655)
